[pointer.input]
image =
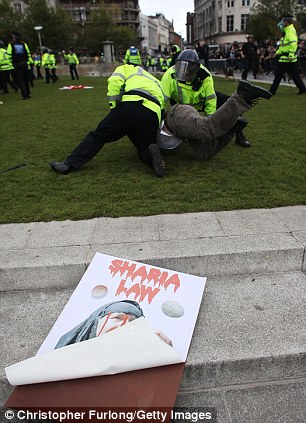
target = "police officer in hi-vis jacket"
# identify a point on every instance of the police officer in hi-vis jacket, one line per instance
(136, 100)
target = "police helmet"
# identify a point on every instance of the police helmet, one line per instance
(175, 48)
(187, 65)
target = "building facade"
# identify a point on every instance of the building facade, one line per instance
(124, 12)
(156, 32)
(222, 21)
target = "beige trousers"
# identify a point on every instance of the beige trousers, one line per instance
(207, 135)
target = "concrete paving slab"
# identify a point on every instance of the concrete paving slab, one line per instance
(26, 319)
(63, 266)
(269, 404)
(14, 236)
(126, 230)
(202, 401)
(245, 222)
(301, 237)
(188, 226)
(216, 255)
(272, 402)
(293, 217)
(42, 268)
(61, 234)
(246, 327)
(249, 329)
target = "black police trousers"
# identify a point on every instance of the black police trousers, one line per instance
(291, 68)
(129, 118)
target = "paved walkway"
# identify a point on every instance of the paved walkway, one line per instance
(265, 79)
(247, 356)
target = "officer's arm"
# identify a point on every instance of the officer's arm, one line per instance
(116, 83)
(167, 84)
(9, 52)
(28, 53)
(210, 96)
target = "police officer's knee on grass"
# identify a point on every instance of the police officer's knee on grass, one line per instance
(136, 101)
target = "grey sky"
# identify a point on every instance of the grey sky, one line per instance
(175, 10)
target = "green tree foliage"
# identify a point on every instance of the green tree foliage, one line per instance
(267, 13)
(60, 31)
(9, 20)
(124, 37)
(57, 25)
(100, 28)
(92, 34)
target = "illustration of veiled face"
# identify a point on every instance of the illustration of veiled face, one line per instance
(113, 321)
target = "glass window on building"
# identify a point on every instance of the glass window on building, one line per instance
(230, 23)
(79, 14)
(246, 2)
(230, 3)
(17, 7)
(244, 22)
(219, 24)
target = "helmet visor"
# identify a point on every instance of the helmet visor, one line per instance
(186, 71)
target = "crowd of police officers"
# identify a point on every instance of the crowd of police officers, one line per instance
(19, 67)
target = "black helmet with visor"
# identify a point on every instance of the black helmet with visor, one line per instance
(187, 65)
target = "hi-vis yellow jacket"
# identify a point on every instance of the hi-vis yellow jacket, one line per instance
(203, 98)
(286, 51)
(5, 62)
(133, 83)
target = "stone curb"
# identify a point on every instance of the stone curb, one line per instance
(56, 254)
(250, 327)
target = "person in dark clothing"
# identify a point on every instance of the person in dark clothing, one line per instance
(175, 52)
(20, 56)
(203, 53)
(250, 61)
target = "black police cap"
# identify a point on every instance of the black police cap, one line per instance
(287, 16)
(16, 34)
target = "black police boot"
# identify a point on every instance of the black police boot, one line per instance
(240, 124)
(241, 140)
(61, 167)
(249, 92)
(158, 162)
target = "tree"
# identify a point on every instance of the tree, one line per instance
(60, 31)
(266, 14)
(9, 20)
(101, 27)
(57, 25)
(98, 29)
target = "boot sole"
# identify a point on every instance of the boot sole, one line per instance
(261, 92)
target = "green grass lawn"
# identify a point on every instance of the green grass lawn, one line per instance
(269, 174)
